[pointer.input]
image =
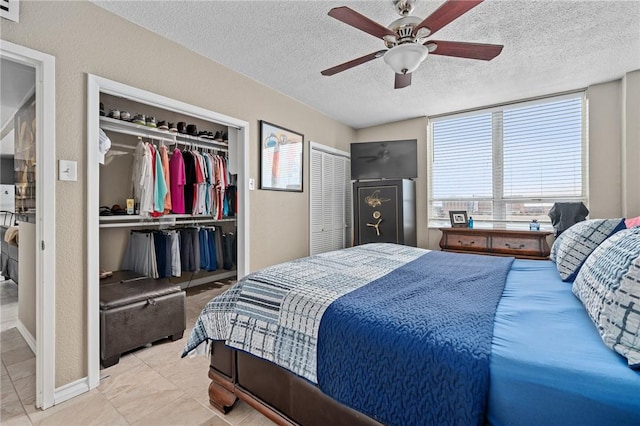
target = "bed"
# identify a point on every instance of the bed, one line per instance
(403, 335)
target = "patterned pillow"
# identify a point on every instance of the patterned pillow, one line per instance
(608, 285)
(633, 222)
(574, 245)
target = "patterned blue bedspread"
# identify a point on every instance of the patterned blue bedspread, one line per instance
(275, 313)
(413, 347)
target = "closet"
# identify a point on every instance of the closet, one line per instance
(330, 199)
(196, 232)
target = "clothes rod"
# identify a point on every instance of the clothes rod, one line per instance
(173, 222)
(218, 146)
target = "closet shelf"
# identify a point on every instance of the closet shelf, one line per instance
(130, 221)
(128, 128)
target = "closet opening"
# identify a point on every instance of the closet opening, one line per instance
(198, 161)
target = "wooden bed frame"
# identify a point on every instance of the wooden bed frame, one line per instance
(281, 396)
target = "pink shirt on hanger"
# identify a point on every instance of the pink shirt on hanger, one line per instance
(177, 179)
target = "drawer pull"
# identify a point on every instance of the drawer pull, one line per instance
(521, 246)
(466, 244)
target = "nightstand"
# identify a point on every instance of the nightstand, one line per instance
(496, 242)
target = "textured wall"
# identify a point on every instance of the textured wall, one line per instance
(605, 149)
(631, 144)
(87, 39)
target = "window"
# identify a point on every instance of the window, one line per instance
(508, 165)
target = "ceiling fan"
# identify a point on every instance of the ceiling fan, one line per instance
(406, 38)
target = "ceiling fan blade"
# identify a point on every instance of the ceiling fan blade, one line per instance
(354, 62)
(361, 22)
(448, 12)
(402, 80)
(485, 52)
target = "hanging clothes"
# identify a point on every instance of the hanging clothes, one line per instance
(199, 202)
(176, 266)
(177, 181)
(208, 183)
(213, 262)
(142, 179)
(190, 249)
(159, 183)
(164, 156)
(140, 254)
(218, 244)
(190, 181)
(162, 248)
(203, 237)
(227, 247)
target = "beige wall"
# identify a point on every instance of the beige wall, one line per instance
(87, 39)
(614, 108)
(605, 149)
(631, 144)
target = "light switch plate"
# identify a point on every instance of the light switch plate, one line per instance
(67, 170)
(252, 184)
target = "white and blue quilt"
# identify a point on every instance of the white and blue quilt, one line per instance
(399, 333)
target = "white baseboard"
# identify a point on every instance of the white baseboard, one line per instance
(31, 341)
(71, 390)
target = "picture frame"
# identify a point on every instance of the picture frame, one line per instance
(458, 218)
(281, 158)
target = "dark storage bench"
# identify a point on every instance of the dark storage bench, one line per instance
(136, 310)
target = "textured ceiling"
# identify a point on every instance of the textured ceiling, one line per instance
(549, 47)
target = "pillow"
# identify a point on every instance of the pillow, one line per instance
(633, 222)
(573, 246)
(608, 285)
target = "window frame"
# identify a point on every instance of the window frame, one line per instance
(500, 201)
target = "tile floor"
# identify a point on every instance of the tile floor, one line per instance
(9, 304)
(149, 386)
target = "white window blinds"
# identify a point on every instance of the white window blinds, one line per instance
(543, 150)
(462, 158)
(508, 164)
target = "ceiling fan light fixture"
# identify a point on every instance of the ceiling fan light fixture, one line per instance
(406, 58)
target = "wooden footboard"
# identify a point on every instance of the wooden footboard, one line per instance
(281, 396)
(221, 391)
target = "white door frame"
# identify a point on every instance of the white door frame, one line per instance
(238, 136)
(44, 65)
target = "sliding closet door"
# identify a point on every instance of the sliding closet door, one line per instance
(330, 205)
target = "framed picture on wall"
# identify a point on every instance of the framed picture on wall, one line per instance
(458, 218)
(281, 155)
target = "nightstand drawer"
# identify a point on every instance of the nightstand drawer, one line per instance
(515, 245)
(467, 242)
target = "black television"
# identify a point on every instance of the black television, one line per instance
(384, 160)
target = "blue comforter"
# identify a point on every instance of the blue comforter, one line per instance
(417, 351)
